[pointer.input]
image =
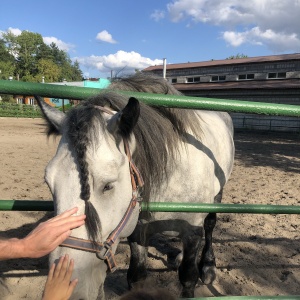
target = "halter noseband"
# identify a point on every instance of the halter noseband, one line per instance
(103, 250)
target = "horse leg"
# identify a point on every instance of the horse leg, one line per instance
(188, 271)
(138, 242)
(207, 264)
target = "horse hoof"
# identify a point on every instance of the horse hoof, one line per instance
(208, 275)
(187, 293)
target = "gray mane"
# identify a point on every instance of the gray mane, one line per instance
(157, 132)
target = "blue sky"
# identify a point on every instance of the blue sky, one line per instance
(134, 34)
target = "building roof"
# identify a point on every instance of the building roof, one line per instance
(245, 84)
(258, 59)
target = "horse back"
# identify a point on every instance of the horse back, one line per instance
(203, 165)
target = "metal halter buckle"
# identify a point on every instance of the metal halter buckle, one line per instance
(103, 252)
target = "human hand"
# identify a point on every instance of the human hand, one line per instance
(48, 235)
(58, 285)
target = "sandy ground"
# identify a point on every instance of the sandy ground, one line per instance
(256, 254)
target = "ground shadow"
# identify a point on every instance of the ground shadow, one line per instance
(261, 148)
(24, 264)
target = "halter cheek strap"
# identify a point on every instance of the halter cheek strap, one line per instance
(104, 250)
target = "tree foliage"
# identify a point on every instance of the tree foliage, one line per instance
(237, 56)
(7, 61)
(27, 58)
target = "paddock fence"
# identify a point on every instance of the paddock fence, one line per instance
(175, 101)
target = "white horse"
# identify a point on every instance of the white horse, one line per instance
(108, 147)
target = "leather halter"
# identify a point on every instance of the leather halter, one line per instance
(104, 250)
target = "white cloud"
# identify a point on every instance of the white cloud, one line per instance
(277, 41)
(59, 43)
(273, 23)
(15, 31)
(105, 36)
(234, 38)
(157, 15)
(47, 40)
(125, 61)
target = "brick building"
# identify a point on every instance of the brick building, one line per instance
(29, 100)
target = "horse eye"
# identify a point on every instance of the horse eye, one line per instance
(107, 187)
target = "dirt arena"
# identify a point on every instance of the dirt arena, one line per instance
(255, 254)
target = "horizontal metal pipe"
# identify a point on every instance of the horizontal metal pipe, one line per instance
(234, 106)
(292, 297)
(46, 90)
(222, 208)
(26, 205)
(71, 92)
(38, 205)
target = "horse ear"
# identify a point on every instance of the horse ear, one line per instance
(53, 116)
(128, 117)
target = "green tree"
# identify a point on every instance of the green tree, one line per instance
(59, 56)
(44, 52)
(48, 69)
(77, 73)
(7, 62)
(237, 56)
(28, 48)
(70, 72)
(30, 59)
(11, 44)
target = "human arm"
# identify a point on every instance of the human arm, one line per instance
(58, 285)
(43, 239)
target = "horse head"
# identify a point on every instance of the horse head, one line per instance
(93, 170)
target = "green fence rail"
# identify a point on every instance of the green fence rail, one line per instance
(294, 297)
(38, 205)
(70, 92)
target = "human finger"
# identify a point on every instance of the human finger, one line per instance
(51, 271)
(61, 227)
(71, 221)
(64, 267)
(69, 272)
(72, 287)
(65, 214)
(55, 229)
(58, 267)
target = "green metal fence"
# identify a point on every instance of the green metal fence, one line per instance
(38, 205)
(67, 92)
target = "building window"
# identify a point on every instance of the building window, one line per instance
(272, 75)
(193, 79)
(174, 80)
(218, 78)
(246, 76)
(277, 75)
(31, 101)
(281, 75)
(20, 100)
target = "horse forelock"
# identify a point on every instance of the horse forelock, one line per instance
(157, 134)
